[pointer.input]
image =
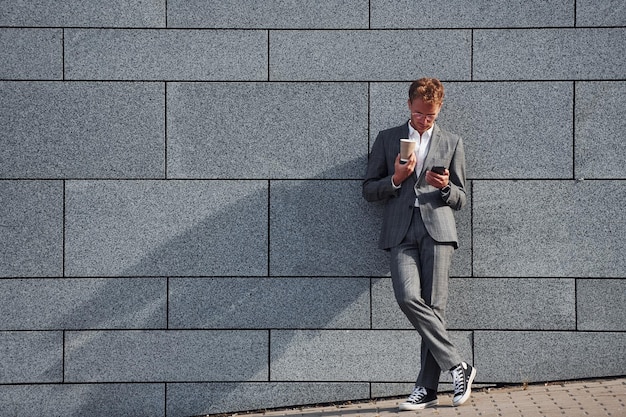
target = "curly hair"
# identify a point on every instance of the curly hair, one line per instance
(428, 89)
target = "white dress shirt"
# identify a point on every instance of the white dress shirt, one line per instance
(421, 148)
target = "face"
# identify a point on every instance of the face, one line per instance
(423, 114)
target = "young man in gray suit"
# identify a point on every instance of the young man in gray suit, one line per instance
(419, 230)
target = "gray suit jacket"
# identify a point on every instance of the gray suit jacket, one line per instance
(436, 207)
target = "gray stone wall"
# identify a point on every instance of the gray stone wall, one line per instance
(181, 224)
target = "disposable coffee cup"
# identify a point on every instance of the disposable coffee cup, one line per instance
(406, 149)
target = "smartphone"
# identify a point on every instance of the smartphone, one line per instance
(438, 170)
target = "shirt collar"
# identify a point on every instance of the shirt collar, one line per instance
(426, 135)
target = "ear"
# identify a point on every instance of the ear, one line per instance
(408, 103)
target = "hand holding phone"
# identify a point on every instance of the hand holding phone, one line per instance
(441, 170)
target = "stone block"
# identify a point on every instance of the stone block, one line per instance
(463, 14)
(128, 54)
(498, 152)
(82, 130)
(165, 356)
(49, 304)
(603, 13)
(600, 304)
(257, 303)
(31, 230)
(324, 228)
(600, 123)
(84, 13)
(267, 130)
(386, 313)
(549, 54)
(388, 106)
(506, 108)
(355, 55)
(185, 400)
(351, 355)
(31, 54)
(392, 389)
(490, 303)
(257, 14)
(93, 400)
(31, 357)
(512, 304)
(517, 357)
(163, 228)
(549, 229)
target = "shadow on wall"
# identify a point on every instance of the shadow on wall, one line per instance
(40, 313)
(282, 255)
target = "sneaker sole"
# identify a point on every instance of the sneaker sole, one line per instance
(467, 394)
(411, 407)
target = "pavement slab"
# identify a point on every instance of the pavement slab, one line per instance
(589, 398)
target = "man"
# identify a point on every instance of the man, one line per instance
(419, 230)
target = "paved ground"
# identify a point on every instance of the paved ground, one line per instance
(591, 398)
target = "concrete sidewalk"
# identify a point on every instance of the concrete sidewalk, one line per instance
(590, 398)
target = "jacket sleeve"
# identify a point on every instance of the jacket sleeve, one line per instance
(456, 197)
(377, 183)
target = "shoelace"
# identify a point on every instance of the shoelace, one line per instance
(417, 394)
(459, 379)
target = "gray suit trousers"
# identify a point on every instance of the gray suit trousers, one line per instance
(420, 272)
